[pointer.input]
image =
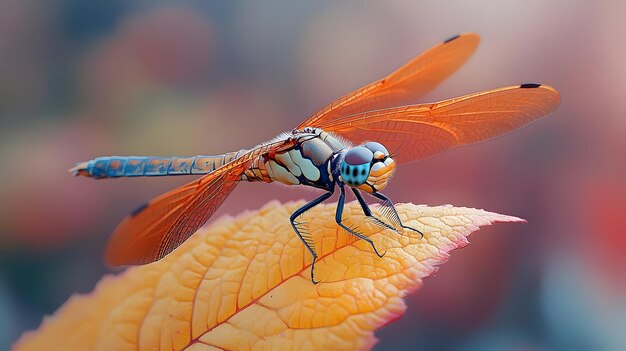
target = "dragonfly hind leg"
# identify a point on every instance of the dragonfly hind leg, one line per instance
(303, 233)
(352, 230)
(389, 211)
(368, 212)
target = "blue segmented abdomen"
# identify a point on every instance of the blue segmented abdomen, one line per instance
(139, 166)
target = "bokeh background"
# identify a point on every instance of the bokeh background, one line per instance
(80, 79)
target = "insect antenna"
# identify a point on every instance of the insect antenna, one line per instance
(395, 152)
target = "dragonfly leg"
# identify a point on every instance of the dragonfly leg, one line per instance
(304, 234)
(352, 230)
(368, 212)
(389, 211)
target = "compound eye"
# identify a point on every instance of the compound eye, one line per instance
(376, 149)
(358, 156)
(355, 175)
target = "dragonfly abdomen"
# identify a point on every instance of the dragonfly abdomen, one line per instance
(140, 166)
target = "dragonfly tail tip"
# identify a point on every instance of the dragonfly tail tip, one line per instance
(79, 169)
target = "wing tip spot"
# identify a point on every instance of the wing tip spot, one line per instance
(139, 209)
(451, 38)
(529, 85)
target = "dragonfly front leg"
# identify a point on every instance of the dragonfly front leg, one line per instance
(338, 219)
(389, 211)
(303, 233)
(368, 212)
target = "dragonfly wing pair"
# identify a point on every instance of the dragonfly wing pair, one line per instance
(365, 114)
(421, 131)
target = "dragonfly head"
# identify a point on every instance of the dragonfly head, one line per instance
(367, 167)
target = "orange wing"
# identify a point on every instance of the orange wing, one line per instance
(405, 85)
(157, 228)
(424, 130)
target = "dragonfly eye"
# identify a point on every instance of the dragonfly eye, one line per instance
(355, 166)
(358, 156)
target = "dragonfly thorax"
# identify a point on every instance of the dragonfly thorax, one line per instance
(367, 167)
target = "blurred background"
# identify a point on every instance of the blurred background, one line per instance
(80, 79)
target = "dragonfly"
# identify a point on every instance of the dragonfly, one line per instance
(343, 146)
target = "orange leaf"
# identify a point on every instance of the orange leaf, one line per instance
(244, 283)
